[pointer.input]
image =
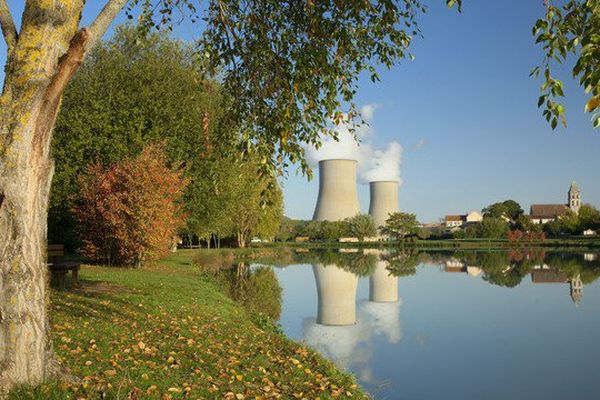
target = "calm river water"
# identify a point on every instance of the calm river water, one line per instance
(469, 325)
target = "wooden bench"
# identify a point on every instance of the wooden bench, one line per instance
(59, 267)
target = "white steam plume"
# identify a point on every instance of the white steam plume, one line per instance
(349, 145)
(373, 164)
(384, 165)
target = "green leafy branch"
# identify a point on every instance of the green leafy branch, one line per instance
(570, 30)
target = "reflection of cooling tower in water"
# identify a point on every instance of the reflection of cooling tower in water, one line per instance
(336, 289)
(337, 191)
(383, 286)
(384, 200)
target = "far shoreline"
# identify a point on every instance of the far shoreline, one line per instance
(582, 243)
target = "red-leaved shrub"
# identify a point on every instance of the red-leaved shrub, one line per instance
(129, 212)
(518, 236)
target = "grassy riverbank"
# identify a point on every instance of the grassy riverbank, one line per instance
(169, 331)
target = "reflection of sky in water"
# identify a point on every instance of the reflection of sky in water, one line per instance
(458, 337)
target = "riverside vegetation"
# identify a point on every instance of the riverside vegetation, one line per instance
(168, 331)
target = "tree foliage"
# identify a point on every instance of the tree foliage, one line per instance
(292, 68)
(493, 228)
(525, 224)
(322, 230)
(589, 217)
(508, 208)
(130, 212)
(518, 236)
(255, 205)
(361, 226)
(572, 29)
(400, 224)
(129, 92)
(574, 223)
(288, 229)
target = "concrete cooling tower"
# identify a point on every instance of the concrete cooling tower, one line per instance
(337, 191)
(383, 286)
(336, 290)
(384, 200)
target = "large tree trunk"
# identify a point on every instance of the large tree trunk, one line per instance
(47, 53)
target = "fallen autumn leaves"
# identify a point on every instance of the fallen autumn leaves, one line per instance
(169, 332)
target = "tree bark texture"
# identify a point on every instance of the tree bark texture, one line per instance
(40, 64)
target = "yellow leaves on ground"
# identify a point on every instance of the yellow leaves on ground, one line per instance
(180, 344)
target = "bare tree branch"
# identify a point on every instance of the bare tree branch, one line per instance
(7, 23)
(102, 21)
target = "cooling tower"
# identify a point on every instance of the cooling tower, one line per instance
(337, 191)
(383, 286)
(384, 200)
(336, 290)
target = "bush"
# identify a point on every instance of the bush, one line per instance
(517, 236)
(493, 228)
(361, 226)
(459, 234)
(423, 233)
(129, 212)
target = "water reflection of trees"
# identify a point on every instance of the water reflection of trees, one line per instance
(362, 262)
(404, 263)
(508, 268)
(355, 261)
(505, 269)
(257, 289)
(502, 268)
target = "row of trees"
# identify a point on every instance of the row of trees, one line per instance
(361, 226)
(138, 112)
(489, 228)
(500, 220)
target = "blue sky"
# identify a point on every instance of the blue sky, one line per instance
(465, 113)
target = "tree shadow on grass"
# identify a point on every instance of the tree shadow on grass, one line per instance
(92, 288)
(95, 299)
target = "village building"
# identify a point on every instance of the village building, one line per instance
(544, 213)
(453, 221)
(457, 221)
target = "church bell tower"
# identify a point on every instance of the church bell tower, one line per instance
(574, 198)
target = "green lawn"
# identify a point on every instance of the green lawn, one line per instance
(168, 331)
